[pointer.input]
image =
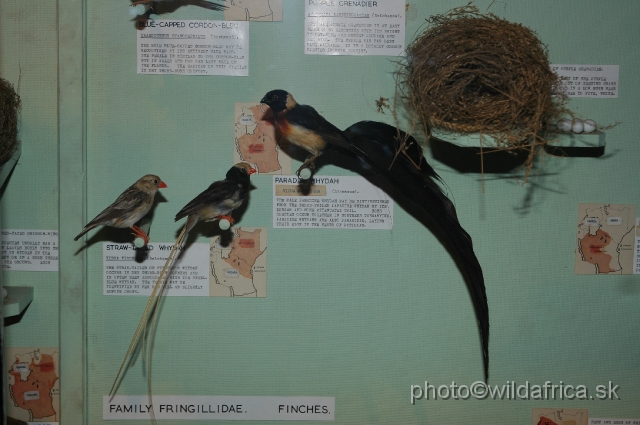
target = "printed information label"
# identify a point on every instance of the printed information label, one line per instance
(248, 408)
(597, 81)
(359, 28)
(636, 260)
(337, 202)
(608, 421)
(30, 250)
(193, 47)
(128, 272)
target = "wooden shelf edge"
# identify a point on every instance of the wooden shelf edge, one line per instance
(18, 298)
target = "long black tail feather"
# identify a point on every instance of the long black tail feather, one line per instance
(397, 157)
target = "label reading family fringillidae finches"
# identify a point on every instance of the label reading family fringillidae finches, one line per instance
(238, 407)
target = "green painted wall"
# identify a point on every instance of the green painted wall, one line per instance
(28, 60)
(359, 315)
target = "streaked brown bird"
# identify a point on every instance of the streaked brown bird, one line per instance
(217, 202)
(220, 199)
(133, 204)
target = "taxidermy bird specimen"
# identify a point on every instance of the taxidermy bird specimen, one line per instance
(215, 203)
(133, 204)
(220, 198)
(397, 158)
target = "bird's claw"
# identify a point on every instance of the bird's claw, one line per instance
(226, 217)
(148, 3)
(140, 233)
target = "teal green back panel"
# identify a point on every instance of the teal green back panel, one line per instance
(356, 315)
(28, 60)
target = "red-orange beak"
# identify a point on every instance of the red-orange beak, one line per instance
(252, 171)
(162, 185)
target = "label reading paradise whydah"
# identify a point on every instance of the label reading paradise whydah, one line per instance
(597, 81)
(337, 202)
(125, 273)
(30, 250)
(373, 27)
(193, 47)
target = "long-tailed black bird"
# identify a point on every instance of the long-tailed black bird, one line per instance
(216, 202)
(396, 157)
(219, 199)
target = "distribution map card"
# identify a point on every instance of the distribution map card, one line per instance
(605, 239)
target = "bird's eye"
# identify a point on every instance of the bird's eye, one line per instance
(155, 181)
(275, 97)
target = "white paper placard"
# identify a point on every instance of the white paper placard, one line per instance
(30, 250)
(252, 408)
(359, 28)
(125, 274)
(334, 202)
(189, 47)
(595, 81)
(636, 259)
(610, 421)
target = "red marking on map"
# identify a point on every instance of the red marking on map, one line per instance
(260, 147)
(256, 148)
(591, 247)
(245, 249)
(41, 379)
(546, 421)
(247, 243)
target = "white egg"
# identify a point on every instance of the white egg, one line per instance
(564, 125)
(577, 126)
(590, 126)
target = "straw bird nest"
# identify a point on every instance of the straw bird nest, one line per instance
(9, 105)
(469, 72)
